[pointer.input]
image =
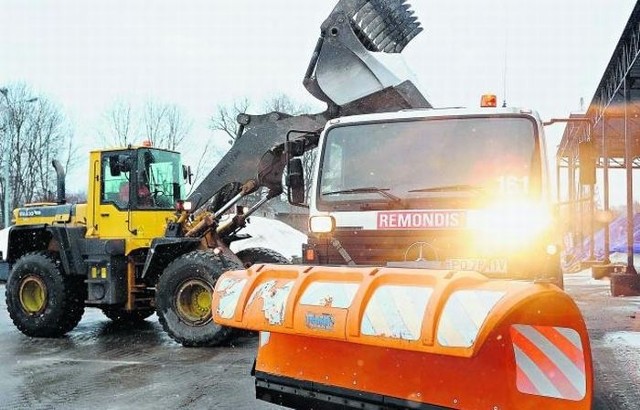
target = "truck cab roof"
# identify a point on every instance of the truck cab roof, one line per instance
(434, 113)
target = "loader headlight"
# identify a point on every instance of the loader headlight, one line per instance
(322, 224)
(510, 224)
(183, 206)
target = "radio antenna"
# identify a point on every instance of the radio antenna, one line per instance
(506, 52)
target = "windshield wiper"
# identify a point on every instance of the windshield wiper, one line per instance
(451, 188)
(367, 190)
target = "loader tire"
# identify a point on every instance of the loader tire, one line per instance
(127, 317)
(41, 301)
(251, 256)
(183, 298)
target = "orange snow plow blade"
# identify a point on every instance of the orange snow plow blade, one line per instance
(338, 337)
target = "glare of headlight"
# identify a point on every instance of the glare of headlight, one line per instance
(321, 224)
(510, 223)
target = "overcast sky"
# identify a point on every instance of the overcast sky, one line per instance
(197, 54)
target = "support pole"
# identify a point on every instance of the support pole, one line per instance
(558, 198)
(628, 162)
(592, 217)
(605, 177)
(573, 203)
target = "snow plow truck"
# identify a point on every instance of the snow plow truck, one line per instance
(431, 278)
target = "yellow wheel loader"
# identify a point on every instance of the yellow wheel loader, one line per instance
(130, 250)
(139, 246)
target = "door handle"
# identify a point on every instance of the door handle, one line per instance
(104, 214)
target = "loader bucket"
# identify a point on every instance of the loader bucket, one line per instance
(356, 68)
(358, 55)
(408, 338)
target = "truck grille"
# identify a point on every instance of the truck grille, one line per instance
(379, 247)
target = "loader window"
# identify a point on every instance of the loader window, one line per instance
(159, 174)
(434, 159)
(115, 182)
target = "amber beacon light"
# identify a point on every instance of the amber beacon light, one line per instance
(488, 100)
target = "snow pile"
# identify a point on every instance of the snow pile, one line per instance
(272, 234)
(4, 239)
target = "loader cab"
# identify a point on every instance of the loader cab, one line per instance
(142, 179)
(133, 192)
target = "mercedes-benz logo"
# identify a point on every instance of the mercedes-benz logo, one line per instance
(422, 255)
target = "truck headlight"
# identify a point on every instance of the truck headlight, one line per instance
(322, 224)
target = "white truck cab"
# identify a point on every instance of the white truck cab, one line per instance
(463, 189)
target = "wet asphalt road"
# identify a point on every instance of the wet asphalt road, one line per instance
(102, 365)
(614, 331)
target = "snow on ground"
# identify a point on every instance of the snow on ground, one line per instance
(630, 339)
(618, 257)
(626, 345)
(584, 277)
(272, 234)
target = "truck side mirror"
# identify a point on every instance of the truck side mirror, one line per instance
(114, 168)
(295, 181)
(120, 163)
(587, 158)
(186, 173)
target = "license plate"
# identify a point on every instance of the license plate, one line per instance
(482, 265)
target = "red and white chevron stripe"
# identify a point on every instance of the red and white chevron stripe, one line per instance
(549, 361)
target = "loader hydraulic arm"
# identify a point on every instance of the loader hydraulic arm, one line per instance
(347, 72)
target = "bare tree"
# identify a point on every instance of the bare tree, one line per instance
(35, 132)
(177, 127)
(162, 124)
(225, 117)
(119, 124)
(201, 165)
(284, 103)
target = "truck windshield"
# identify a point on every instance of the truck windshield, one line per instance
(430, 160)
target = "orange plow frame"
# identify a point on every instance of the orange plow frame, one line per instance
(416, 338)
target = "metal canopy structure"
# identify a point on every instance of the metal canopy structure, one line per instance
(613, 132)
